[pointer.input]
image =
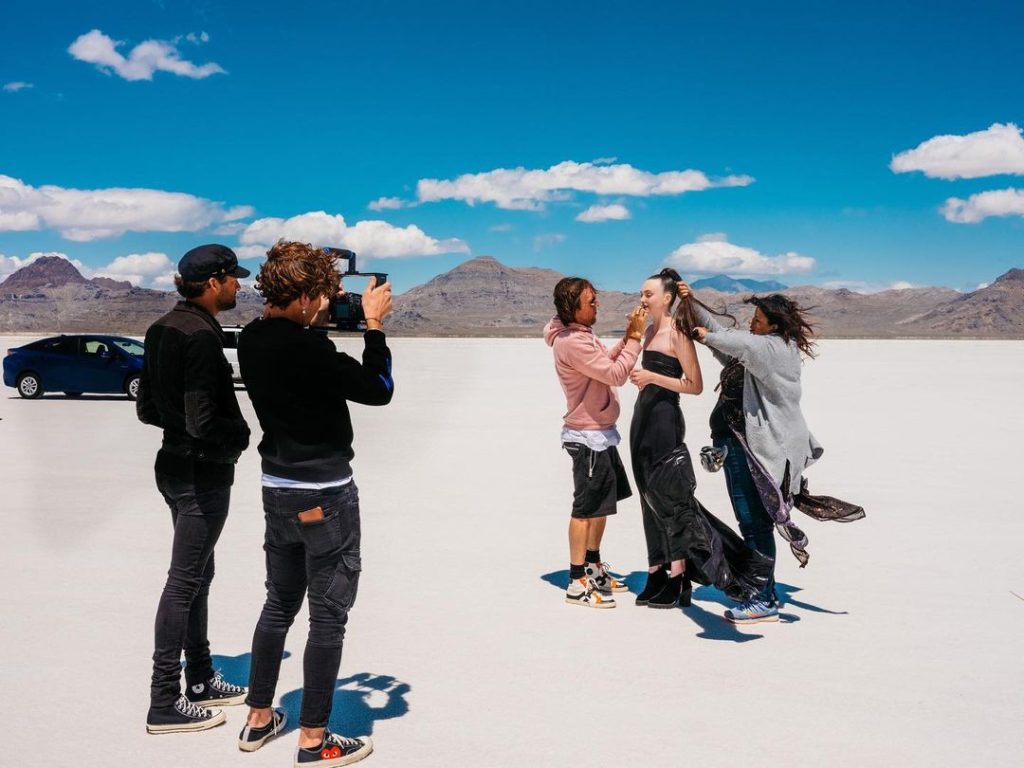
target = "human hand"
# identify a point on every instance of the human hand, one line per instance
(377, 301)
(641, 377)
(682, 289)
(636, 321)
(700, 333)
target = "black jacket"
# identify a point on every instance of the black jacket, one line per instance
(185, 387)
(299, 383)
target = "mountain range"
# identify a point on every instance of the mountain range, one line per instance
(483, 297)
(726, 284)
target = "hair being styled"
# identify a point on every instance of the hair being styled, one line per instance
(567, 297)
(684, 315)
(294, 269)
(788, 319)
(193, 289)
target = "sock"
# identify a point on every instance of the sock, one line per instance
(576, 571)
(593, 556)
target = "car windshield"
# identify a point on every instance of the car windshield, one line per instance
(131, 346)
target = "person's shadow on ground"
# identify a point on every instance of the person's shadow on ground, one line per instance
(713, 626)
(359, 702)
(235, 669)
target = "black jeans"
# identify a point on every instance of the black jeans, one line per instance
(181, 617)
(321, 556)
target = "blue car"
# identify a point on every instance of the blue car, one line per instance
(75, 364)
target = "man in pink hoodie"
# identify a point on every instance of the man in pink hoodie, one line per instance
(588, 371)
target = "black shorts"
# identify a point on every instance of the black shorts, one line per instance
(599, 480)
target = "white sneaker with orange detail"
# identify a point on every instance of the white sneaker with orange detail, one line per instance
(580, 592)
(604, 581)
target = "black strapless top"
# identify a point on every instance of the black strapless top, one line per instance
(659, 362)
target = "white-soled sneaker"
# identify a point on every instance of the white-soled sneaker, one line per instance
(181, 717)
(334, 751)
(216, 690)
(603, 580)
(580, 592)
(251, 738)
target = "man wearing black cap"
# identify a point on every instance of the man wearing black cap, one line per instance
(186, 389)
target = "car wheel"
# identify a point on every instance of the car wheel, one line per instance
(29, 386)
(131, 387)
(72, 394)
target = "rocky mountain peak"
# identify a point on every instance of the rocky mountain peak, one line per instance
(1015, 276)
(45, 272)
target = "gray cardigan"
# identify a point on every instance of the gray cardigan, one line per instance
(775, 428)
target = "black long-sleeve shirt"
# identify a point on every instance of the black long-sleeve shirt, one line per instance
(299, 384)
(185, 388)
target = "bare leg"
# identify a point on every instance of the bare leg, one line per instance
(578, 530)
(310, 737)
(258, 717)
(677, 568)
(595, 531)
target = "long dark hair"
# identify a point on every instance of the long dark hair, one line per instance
(788, 318)
(684, 315)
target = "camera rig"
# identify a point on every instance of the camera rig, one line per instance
(346, 311)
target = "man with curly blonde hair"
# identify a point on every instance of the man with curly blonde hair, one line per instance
(300, 385)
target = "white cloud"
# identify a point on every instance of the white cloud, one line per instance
(981, 285)
(714, 256)
(16, 86)
(529, 189)
(548, 239)
(91, 214)
(597, 213)
(143, 60)
(369, 238)
(500, 228)
(11, 264)
(388, 204)
(604, 160)
(998, 149)
(140, 269)
(976, 208)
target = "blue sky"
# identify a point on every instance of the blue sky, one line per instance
(261, 115)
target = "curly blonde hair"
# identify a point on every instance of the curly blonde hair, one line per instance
(293, 269)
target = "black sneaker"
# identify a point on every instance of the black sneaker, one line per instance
(251, 739)
(216, 690)
(335, 750)
(182, 716)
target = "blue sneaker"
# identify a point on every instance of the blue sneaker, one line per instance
(753, 611)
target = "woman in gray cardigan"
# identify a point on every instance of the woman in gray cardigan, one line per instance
(759, 423)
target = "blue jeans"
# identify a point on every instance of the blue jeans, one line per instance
(756, 525)
(181, 617)
(319, 557)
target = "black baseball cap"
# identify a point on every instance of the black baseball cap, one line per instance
(208, 261)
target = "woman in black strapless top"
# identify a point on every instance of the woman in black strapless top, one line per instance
(684, 540)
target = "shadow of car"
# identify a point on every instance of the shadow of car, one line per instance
(74, 365)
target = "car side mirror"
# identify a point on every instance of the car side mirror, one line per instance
(106, 354)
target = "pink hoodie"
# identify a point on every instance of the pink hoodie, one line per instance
(587, 372)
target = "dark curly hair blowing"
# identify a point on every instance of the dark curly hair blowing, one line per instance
(567, 297)
(788, 318)
(293, 269)
(684, 315)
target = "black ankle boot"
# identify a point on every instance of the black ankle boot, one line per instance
(686, 594)
(670, 594)
(655, 583)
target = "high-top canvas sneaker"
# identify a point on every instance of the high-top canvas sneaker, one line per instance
(182, 716)
(580, 592)
(216, 690)
(602, 580)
